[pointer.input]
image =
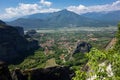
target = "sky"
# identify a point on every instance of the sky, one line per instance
(10, 9)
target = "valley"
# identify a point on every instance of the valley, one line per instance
(57, 55)
(58, 45)
(58, 51)
(73, 29)
(60, 40)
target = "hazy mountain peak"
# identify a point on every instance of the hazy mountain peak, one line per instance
(65, 10)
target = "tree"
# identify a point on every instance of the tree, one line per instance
(96, 57)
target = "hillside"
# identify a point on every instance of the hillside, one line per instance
(63, 18)
(102, 65)
(2, 23)
(111, 17)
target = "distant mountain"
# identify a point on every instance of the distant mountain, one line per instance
(27, 23)
(38, 16)
(62, 18)
(111, 18)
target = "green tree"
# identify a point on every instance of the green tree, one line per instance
(95, 57)
(80, 75)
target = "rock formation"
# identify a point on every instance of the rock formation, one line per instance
(20, 30)
(13, 44)
(4, 72)
(111, 44)
(31, 32)
(18, 75)
(52, 73)
(83, 47)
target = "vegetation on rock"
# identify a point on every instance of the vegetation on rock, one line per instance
(102, 64)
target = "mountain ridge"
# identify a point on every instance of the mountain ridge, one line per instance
(111, 17)
(65, 18)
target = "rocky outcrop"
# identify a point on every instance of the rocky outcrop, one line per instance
(83, 47)
(4, 72)
(31, 32)
(111, 44)
(18, 75)
(13, 44)
(53, 73)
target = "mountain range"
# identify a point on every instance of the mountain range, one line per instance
(111, 17)
(65, 18)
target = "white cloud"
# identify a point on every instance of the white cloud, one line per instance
(96, 8)
(46, 3)
(21, 10)
(49, 10)
(25, 9)
(44, 7)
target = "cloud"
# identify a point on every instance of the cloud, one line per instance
(46, 3)
(96, 8)
(45, 7)
(26, 9)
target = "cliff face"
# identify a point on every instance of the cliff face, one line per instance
(20, 30)
(13, 44)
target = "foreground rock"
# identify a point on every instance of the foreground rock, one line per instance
(18, 75)
(4, 72)
(52, 73)
(13, 45)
